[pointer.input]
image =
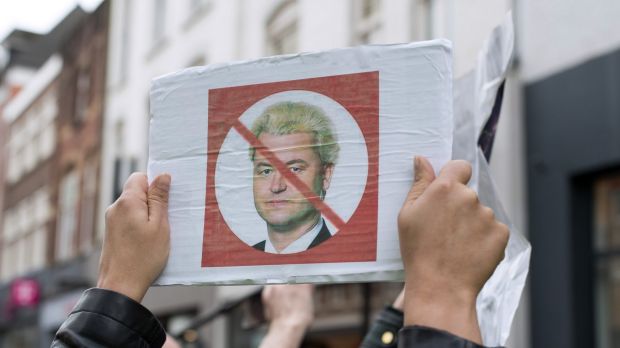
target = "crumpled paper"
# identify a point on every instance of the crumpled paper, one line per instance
(475, 94)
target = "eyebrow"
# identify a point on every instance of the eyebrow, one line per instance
(262, 164)
(296, 161)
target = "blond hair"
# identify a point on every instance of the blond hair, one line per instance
(286, 118)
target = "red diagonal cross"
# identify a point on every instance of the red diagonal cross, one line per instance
(318, 203)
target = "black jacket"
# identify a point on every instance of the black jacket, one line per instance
(383, 334)
(323, 235)
(104, 318)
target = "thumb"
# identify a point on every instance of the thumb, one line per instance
(424, 176)
(158, 197)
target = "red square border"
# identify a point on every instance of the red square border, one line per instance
(358, 93)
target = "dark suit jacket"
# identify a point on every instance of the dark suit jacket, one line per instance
(320, 238)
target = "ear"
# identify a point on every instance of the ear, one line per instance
(328, 170)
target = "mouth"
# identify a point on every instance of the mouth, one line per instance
(275, 203)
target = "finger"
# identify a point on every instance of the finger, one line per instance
(136, 184)
(458, 170)
(158, 193)
(424, 176)
(265, 298)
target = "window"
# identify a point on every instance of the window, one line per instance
(49, 108)
(5, 272)
(121, 34)
(39, 248)
(607, 261)
(367, 22)
(67, 216)
(42, 208)
(28, 159)
(282, 29)
(13, 169)
(9, 226)
(158, 28)
(422, 20)
(198, 61)
(31, 132)
(87, 210)
(20, 256)
(369, 8)
(8, 262)
(27, 210)
(16, 144)
(197, 4)
(82, 94)
(24, 242)
(47, 141)
(196, 10)
(32, 138)
(23, 219)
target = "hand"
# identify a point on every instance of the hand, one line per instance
(171, 342)
(290, 311)
(399, 302)
(137, 237)
(450, 245)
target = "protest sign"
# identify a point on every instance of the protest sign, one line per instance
(293, 168)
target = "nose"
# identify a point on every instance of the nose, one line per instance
(278, 183)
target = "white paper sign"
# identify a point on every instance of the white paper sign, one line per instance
(294, 168)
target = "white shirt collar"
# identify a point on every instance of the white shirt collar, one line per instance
(301, 244)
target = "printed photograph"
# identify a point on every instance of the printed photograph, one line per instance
(291, 172)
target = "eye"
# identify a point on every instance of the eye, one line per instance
(265, 172)
(296, 170)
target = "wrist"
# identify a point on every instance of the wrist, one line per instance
(135, 293)
(290, 324)
(445, 309)
(285, 333)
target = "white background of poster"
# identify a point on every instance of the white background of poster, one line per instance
(415, 119)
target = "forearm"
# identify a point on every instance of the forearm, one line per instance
(284, 335)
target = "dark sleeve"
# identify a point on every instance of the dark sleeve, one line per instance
(426, 337)
(384, 331)
(104, 318)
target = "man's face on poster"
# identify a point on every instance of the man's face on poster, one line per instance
(282, 205)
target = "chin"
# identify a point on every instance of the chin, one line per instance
(278, 222)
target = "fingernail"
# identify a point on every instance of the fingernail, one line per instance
(416, 166)
(163, 182)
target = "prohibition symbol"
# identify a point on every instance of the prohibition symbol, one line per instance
(355, 235)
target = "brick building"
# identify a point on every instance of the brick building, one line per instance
(53, 142)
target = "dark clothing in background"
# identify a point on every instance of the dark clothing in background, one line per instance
(104, 318)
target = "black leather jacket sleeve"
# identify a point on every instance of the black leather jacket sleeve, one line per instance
(104, 318)
(388, 332)
(426, 337)
(384, 330)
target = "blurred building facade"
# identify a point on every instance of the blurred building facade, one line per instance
(28, 218)
(53, 145)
